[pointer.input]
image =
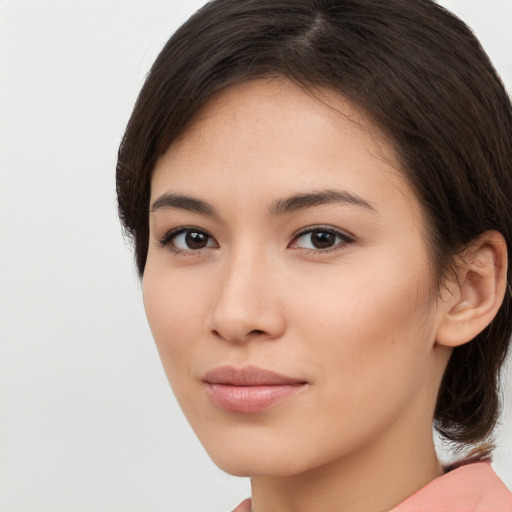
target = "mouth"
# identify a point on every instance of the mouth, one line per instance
(249, 389)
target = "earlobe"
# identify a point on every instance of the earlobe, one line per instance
(470, 303)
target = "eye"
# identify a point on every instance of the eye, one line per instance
(320, 239)
(188, 240)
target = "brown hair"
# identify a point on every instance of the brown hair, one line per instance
(419, 73)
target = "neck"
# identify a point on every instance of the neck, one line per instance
(374, 479)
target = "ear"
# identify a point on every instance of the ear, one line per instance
(469, 303)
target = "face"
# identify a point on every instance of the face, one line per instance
(288, 285)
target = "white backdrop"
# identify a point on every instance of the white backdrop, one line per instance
(87, 421)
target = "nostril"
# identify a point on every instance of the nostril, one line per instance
(250, 334)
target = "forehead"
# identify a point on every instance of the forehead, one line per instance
(274, 104)
(271, 138)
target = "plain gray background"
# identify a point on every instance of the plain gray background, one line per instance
(87, 420)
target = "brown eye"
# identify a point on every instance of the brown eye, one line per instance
(321, 239)
(195, 240)
(188, 240)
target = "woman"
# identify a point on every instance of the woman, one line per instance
(318, 193)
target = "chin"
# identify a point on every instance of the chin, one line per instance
(260, 464)
(258, 456)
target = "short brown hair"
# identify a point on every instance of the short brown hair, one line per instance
(419, 73)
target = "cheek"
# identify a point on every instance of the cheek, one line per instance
(369, 347)
(174, 306)
(368, 329)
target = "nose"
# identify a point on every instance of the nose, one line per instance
(247, 303)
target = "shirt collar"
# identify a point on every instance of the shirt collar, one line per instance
(469, 488)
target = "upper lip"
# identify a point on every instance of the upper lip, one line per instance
(248, 376)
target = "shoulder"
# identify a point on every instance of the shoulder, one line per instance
(466, 488)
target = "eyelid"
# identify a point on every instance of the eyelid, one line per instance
(165, 240)
(324, 227)
(346, 237)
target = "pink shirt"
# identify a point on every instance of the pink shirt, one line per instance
(470, 488)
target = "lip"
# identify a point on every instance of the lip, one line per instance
(249, 389)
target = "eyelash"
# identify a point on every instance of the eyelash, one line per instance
(166, 240)
(346, 239)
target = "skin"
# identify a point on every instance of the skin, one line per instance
(358, 321)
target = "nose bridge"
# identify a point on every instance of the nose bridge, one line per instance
(247, 302)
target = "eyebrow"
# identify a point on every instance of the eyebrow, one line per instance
(182, 202)
(312, 199)
(280, 207)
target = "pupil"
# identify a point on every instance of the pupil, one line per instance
(321, 239)
(196, 240)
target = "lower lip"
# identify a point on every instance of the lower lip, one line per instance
(250, 399)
